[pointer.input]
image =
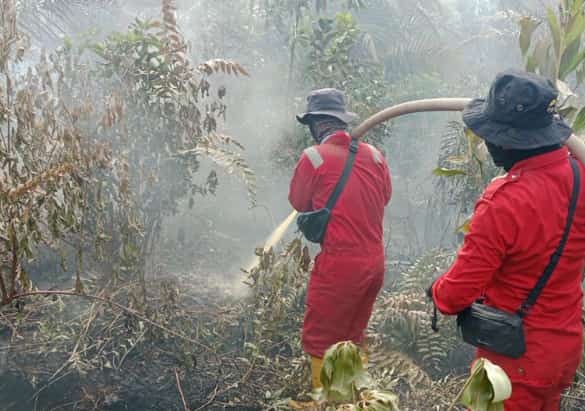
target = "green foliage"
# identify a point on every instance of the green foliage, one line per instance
(487, 388)
(104, 140)
(334, 45)
(174, 119)
(279, 283)
(464, 169)
(402, 323)
(345, 379)
(335, 52)
(558, 53)
(45, 161)
(342, 373)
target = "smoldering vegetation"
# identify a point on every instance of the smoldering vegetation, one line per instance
(146, 148)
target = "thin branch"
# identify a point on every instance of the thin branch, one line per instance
(185, 406)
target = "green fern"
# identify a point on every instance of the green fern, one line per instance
(389, 366)
(402, 318)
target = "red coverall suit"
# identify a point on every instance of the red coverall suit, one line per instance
(349, 271)
(517, 225)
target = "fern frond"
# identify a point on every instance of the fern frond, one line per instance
(225, 66)
(402, 317)
(231, 162)
(169, 10)
(421, 274)
(175, 39)
(216, 139)
(433, 348)
(396, 365)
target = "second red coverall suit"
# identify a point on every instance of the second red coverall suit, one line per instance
(349, 271)
(517, 225)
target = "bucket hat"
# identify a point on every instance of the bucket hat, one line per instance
(519, 113)
(329, 102)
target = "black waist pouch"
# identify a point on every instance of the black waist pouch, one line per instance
(492, 329)
(314, 224)
(503, 332)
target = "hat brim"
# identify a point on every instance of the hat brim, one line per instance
(475, 117)
(345, 116)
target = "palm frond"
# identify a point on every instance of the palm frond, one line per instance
(51, 20)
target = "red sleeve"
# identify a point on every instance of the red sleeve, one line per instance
(302, 185)
(493, 230)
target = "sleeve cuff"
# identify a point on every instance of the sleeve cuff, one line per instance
(441, 306)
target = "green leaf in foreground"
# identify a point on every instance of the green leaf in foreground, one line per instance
(342, 370)
(579, 123)
(487, 388)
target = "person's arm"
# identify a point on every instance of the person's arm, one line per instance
(303, 183)
(493, 231)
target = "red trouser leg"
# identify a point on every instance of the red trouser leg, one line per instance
(340, 297)
(362, 317)
(531, 398)
(526, 397)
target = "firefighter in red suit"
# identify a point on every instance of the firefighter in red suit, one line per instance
(517, 225)
(349, 271)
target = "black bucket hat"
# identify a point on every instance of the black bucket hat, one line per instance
(327, 102)
(519, 113)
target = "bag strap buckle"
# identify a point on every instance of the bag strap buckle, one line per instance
(524, 309)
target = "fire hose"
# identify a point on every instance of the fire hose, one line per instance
(574, 143)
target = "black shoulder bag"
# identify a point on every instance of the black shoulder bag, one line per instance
(502, 332)
(314, 223)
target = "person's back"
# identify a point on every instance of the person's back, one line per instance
(538, 192)
(532, 204)
(356, 224)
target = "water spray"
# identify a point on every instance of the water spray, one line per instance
(273, 239)
(574, 143)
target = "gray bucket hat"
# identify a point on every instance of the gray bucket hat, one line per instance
(519, 113)
(326, 102)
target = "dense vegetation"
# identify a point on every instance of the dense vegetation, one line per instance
(139, 143)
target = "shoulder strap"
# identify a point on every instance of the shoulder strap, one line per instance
(353, 149)
(535, 292)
